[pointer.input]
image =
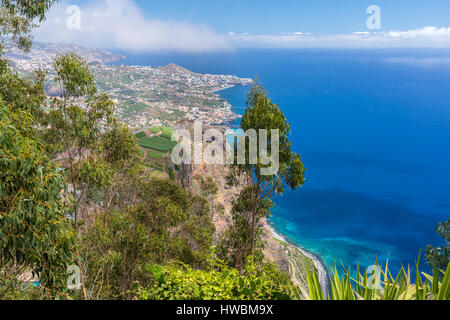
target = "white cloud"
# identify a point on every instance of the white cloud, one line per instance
(421, 62)
(121, 24)
(426, 32)
(430, 37)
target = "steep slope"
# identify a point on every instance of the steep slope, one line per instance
(289, 258)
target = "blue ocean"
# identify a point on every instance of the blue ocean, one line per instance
(373, 130)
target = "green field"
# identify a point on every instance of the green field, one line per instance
(155, 130)
(153, 154)
(140, 135)
(167, 133)
(157, 143)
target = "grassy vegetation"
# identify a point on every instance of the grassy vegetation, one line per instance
(299, 264)
(404, 286)
(157, 166)
(155, 130)
(140, 135)
(157, 143)
(153, 154)
(167, 133)
(131, 105)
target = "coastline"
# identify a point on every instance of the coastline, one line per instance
(322, 272)
(224, 88)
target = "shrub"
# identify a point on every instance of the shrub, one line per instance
(177, 281)
(399, 288)
(440, 255)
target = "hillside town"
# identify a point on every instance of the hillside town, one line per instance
(145, 96)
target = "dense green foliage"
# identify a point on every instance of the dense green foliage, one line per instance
(98, 151)
(440, 255)
(19, 17)
(34, 233)
(36, 239)
(177, 281)
(167, 224)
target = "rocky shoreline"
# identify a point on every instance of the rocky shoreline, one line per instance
(293, 251)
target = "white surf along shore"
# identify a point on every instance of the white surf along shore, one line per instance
(321, 270)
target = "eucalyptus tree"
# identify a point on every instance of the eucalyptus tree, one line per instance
(260, 182)
(35, 235)
(74, 125)
(123, 156)
(82, 131)
(19, 17)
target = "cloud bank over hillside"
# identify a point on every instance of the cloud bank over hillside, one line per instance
(123, 25)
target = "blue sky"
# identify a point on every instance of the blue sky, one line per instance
(316, 16)
(211, 25)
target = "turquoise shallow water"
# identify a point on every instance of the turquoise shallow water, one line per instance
(373, 129)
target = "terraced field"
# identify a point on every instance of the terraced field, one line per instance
(140, 135)
(157, 143)
(155, 130)
(167, 133)
(156, 155)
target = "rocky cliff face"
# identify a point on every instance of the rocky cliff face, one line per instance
(188, 174)
(274, 250)
(289, 258)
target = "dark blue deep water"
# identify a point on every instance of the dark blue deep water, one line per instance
(373, 129)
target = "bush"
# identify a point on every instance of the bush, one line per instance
(399, 288)
(440, 255)
(218, 282)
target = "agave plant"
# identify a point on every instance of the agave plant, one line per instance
(430, 287)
